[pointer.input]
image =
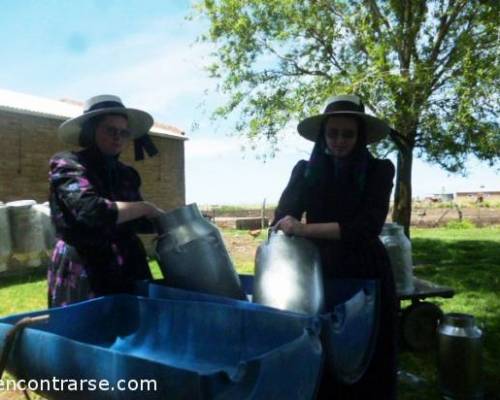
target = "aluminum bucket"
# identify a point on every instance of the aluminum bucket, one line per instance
(192, 254)
(288, 274)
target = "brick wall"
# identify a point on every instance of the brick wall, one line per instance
(27, 142)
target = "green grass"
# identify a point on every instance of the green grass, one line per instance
(23, 293)
(468, 260)
(243, 254)
(29, 292)
(462, 257)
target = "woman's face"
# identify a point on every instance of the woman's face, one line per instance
(112, 134)
(341, 134)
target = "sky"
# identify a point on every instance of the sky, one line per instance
(146, 52)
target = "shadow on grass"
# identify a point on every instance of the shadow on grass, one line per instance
(435, 251)
(491, 355)
(472, 269)
(20, 278)
(463, 265)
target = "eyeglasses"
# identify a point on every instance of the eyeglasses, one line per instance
(340, 133)
(113, 132)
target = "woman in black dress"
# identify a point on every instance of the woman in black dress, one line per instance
(344, 192)
(96, 206)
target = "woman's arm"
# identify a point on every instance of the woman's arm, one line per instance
(136, 212)
(325, 230)
(79, 199)
(368, 221)
(70, 181)
(128, 211)
(291, 207)
(291, 200)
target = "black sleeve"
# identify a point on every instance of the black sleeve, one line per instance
(291, 201)
(70, 181)
(143, 224)
(369, 221)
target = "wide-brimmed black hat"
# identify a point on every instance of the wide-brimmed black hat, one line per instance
(139, 122)
(347, 105)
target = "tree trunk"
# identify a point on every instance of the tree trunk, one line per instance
(402, 199)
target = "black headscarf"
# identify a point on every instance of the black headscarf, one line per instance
(339, 171)
(109, 163)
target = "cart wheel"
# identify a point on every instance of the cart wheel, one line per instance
(419, 325)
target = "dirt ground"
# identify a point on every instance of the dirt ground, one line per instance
(10, 395)
(433, 217)
(429, 217)
(242, 246)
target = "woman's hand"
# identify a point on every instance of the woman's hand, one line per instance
(290, 226)
(324, 230)
(151, 210)
(128, 211)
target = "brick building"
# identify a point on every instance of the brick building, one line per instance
(478, 196)
(28, 138)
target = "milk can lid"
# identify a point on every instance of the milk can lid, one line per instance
(459, 320)
(392, 228)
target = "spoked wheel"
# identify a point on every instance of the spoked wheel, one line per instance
(419, 325)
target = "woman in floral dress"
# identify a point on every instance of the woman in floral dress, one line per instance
(96, 205)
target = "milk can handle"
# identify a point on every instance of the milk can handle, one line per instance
(269, 231)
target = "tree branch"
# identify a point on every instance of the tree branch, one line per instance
(446, 62)
(444, 26)
(372, 4)
(399, 139)
(328, 48)
(293, 62)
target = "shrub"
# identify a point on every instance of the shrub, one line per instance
(464, 224)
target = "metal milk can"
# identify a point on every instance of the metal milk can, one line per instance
(192, 254)
(288, 274)
(26, 230)
(398, 247)
(459, 357)
(5, 240)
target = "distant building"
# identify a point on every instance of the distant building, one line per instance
(28, 137)
(439, 197)
(477, 196)
(445, 196)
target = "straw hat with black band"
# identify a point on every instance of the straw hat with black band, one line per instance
(346, 105)
(139, 123)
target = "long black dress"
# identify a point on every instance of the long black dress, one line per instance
(358, 254)
(94, 255)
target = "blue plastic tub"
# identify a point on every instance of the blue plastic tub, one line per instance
(348, 331)
(191, 349)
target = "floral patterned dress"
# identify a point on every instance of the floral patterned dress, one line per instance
(93, 255)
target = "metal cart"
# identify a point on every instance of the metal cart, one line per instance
(418, 321)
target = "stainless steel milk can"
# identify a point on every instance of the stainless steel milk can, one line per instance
(27, 235)
(459, 357)
(398, 247)
(5, 240)
(288, 274)
(192, 254)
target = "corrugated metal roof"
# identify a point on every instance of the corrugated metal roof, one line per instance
(63, 109)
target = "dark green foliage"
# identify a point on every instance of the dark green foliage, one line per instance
(430, 68)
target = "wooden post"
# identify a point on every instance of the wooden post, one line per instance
(263, 214)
